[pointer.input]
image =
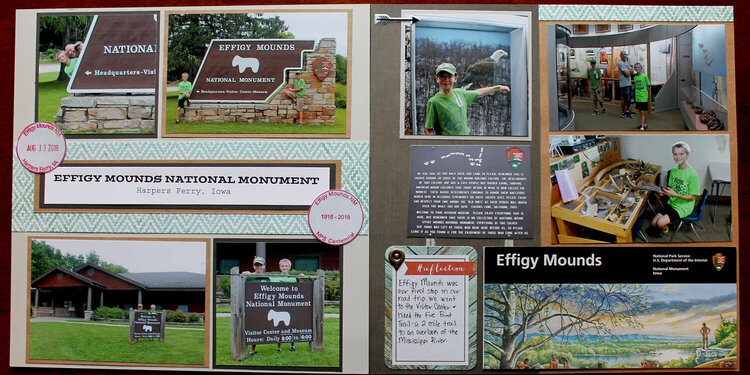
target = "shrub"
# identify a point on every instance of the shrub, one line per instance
(340, 95)
(225, 286)
(176, 316)
(103, 312)
(194, 318)
(333, 285)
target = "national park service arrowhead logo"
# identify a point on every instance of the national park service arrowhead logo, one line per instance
(719, 261)
(321, 67)
(515, 157)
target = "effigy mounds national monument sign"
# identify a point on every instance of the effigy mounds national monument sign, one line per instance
(147, 325)
(267, 312)
(241, 80)
(114, 81)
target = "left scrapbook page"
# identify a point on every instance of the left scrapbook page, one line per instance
(191, 188)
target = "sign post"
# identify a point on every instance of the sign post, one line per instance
(147, 325)
(275, 312)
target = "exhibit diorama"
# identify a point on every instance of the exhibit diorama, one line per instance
(376, 188)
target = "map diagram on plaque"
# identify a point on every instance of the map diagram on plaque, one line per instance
(470, 192)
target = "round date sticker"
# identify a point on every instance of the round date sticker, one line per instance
(41, 147)
(335, 217)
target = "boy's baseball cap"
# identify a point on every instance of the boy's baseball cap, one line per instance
(446, 67)
(259, 260)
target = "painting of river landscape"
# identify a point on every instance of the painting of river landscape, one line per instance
(610, 326)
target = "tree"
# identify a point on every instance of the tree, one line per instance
(43, 258)
(514, 313)
(57, 31)
(190, 35)
(340, 69)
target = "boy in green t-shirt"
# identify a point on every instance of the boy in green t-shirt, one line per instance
(446, 110)
(595, 74)
(296, 91)
(184, 88)
(641, 84)
(683, 188)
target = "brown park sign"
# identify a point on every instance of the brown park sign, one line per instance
(247, 70)
(278, 312)
(119, 56)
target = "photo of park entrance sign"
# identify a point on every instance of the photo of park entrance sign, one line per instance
(275, 312)
(114, 79)
(250, 70)
(147, 325)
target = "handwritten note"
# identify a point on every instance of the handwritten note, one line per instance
(430, 310)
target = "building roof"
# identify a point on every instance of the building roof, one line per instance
(168, 280)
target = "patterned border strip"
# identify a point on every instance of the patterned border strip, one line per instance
(639, 13)
(355, 169)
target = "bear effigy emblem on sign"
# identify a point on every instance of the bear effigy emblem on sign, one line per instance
(321, 68)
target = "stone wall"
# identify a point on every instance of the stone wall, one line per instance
(45, 311)
(318, 107)
(106, 113)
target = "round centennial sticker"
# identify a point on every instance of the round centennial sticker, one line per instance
(335, 217)
(41, 147)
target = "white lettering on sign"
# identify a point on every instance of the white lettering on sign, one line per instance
(135, 48)
(430, 315)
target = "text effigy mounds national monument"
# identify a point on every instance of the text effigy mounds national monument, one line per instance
(318, 106)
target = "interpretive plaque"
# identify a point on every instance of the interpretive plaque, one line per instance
(247, 70)
(470, 192)
(278, 312)
(119, 56)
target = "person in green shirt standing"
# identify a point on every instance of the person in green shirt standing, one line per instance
(446, 110)
(641, 84)
(296, 91)
(185, 88)
(285, 265)
(595, 75)
(683, 189)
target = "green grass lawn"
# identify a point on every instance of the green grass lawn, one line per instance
(102, 343)
(49, 95)
(268, 356)
(185, 127)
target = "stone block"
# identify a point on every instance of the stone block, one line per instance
(316, 108)
(74, 116)
(329, 111)
(145, 100)
(262, 107)
(226, 106)
(329, 96)
(78, 101)
(331, 88)
(123, 101)
(207, 112)
(139, 112)
(213, 118)
(113, 124)
(107, 113)
(274, 119)
(147, 125)
(269, 113)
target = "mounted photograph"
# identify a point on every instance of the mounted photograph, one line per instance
(664, 77)
(466, 73)
(97, 73)
(280, 74)
(117, 301)
(277, 305)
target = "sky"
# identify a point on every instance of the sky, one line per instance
(317, 25)
(141, 256)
